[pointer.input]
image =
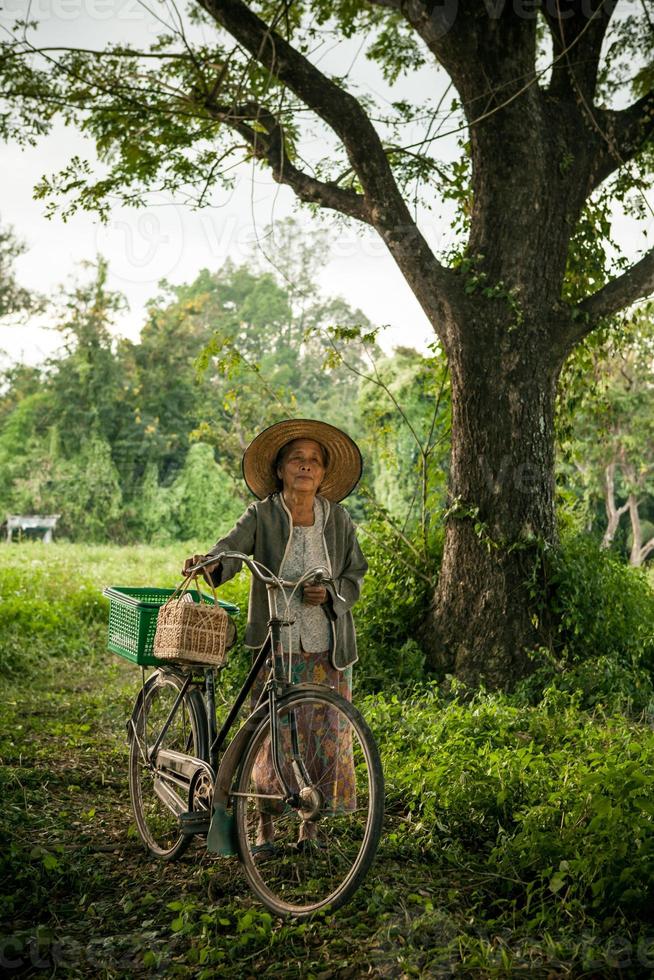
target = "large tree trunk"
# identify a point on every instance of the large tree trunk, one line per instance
(501, 513)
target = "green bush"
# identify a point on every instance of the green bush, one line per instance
(394, 600)
(600, 611)
(602, 642)
(605, 607)
(550, 806)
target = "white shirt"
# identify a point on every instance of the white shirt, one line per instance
(306, 550)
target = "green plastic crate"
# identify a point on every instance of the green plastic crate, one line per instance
(133, 620)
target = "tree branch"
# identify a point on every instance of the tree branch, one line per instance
(626, 133)
(435, 287)
(340, 110)
(270, 147)
(646, 549)
(577, 32)
(613, 513)
(106, 53)
(634, 284)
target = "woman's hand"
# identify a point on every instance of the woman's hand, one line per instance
(197, 560)
(314, 595)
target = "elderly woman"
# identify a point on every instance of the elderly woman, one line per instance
(299, 470)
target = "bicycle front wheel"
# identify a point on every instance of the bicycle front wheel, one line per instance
(158, 799)
(305, 857)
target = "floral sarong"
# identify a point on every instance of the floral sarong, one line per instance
(324, 735)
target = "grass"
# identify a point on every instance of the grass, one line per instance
(501, 821)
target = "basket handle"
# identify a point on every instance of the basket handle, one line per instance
(184, 587)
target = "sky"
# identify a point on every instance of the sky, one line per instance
(169, 240)
(166, 239)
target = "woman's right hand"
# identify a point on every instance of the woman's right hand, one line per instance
(197, 560)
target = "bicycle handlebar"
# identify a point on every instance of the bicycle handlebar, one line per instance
(319, 574)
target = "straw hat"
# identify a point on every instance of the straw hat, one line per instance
(344, 465)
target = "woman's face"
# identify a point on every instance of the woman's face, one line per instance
(302, 468)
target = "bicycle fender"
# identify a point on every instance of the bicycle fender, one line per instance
(221, 838)
(136, 710)
(232, 757)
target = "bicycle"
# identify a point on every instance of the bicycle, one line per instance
(327, 775)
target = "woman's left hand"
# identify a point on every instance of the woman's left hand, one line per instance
(314, 595)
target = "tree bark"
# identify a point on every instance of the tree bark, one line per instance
(636, 531)
(613, 513)
(639, 551)
(501, 516)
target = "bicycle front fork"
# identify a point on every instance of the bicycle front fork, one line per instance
(277, 686)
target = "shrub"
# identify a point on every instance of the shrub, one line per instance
(604, 606)
(550, 806)
(600, 610)
(396, 592)
(602, 644)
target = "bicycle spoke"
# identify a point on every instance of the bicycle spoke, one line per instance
(307, 864)
(157, 795)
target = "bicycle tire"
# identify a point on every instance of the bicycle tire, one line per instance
(157, 825)
(293, 879)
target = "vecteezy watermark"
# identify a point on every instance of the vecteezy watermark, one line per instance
(70, 10)
(142, 244)
(524, 477)
(444, 13)
(118, 954)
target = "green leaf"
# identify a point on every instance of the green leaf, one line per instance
(556, 882)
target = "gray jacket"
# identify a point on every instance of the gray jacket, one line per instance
(264, 531)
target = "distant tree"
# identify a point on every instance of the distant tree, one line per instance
(203, 501)
(405, 410)
(217, 359)
(207, 499)
(24, 447)
(84, 376)
(84, 489)
(17, 382)
(151, 511)
(13, 297)
(612, 438)
(265, 342)
(60, 423)
(323, 384)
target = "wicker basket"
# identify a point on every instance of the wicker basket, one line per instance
(191, 632)
(133, 616)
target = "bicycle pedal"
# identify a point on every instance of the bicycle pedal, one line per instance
(194, 822)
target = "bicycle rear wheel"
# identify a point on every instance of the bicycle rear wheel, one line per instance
(318, 853)
(157, 800)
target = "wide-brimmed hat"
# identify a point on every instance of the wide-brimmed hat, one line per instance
(344, 463)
